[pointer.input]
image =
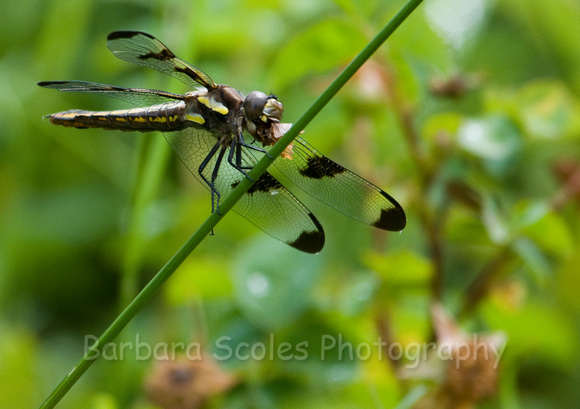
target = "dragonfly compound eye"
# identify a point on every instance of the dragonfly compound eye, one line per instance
(254, 105)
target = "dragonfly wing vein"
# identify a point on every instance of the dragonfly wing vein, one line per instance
(144, 49)
(134, 96)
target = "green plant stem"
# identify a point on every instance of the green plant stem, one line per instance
(226, 204)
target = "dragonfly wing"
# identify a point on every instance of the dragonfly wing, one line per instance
(340, 188)
(268, 204)
(135, 96)
(144, 49)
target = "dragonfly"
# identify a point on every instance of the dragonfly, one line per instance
(219, 134)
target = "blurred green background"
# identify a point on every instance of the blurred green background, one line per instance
(468, 116)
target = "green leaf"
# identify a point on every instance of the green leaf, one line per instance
(350, 292)
(412, 397)
(494, 138)
(533, 258)
(18, 367)
(272, 282)
(103, 401)
(545, 228)
(545, 108)
(206, 278)
(536, 329)
(328, 44)
(568, 281)
(494, 222)
(402, 268)
(437, 123)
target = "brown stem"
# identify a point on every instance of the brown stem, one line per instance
(383, 324)
(569, 190)
(482, 282)
(431, 225)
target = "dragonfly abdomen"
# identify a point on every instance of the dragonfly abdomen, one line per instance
(164, 117)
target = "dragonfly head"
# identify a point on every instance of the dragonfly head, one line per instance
(261, 107)
(263, 113)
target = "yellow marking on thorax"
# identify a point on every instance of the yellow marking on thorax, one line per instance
(214, 105)
(197, 118)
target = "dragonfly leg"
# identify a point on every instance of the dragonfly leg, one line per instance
(236, 149)
(215, 195)
(214, 174)
(253, 147)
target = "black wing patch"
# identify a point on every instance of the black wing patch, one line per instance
(144, 49)
(318, 167)
(340, 188)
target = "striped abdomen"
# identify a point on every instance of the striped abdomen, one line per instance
(163, 117)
